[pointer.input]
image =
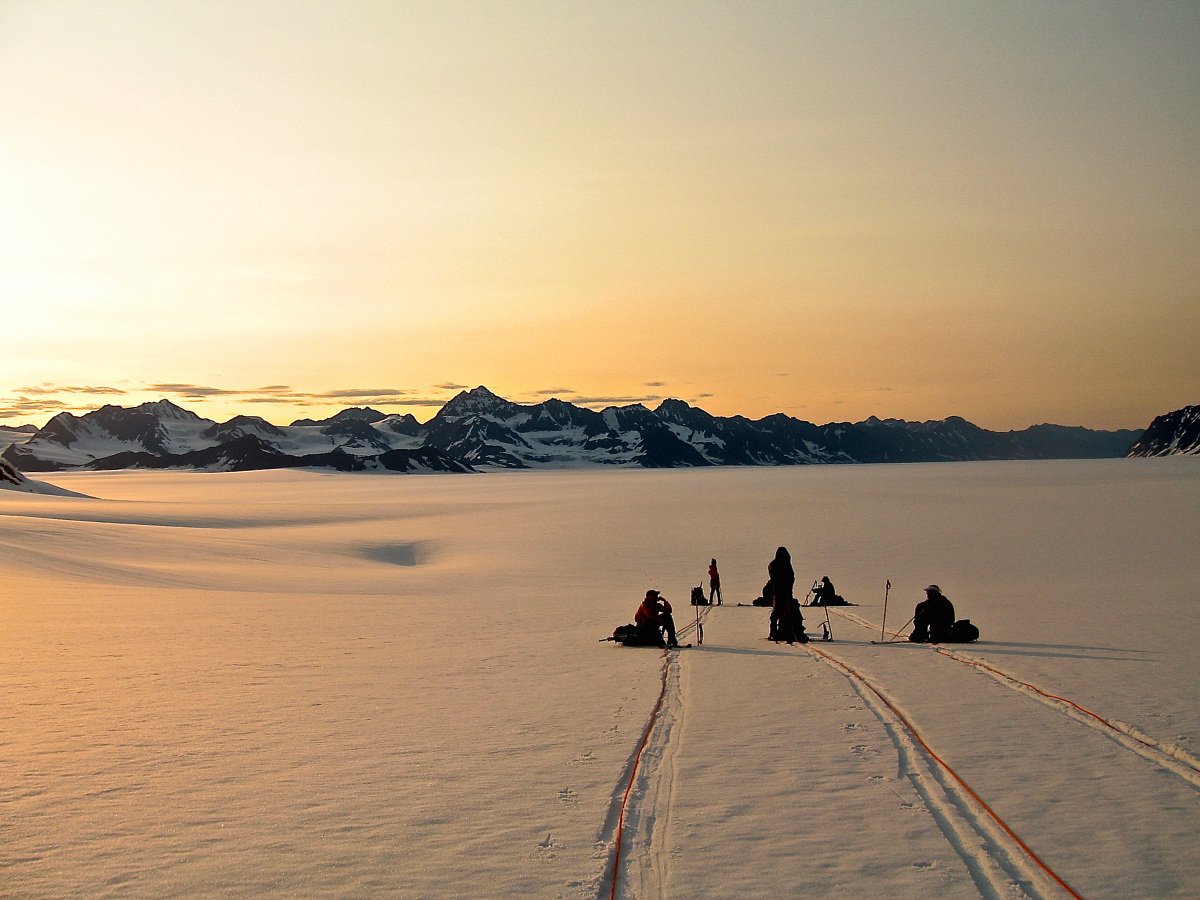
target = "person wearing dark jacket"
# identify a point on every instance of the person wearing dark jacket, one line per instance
(653, 617)
(933, 621)
(824, 594)
(787, 623)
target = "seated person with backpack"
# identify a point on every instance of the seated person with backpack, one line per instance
(933, 621)
(825, 595)
(654, 616)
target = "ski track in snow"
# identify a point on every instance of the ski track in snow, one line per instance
(996, 862)
(640, 866)
(999, 864)
(1167, 756)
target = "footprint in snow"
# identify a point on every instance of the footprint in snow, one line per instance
(545, 849)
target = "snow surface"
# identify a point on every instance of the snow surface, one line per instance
(311, 684)
(13, 480)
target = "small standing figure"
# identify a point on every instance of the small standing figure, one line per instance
(714, 584)
(653, 617)
(933, 621)
(787, 622)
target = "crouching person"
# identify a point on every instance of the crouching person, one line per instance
(933, 621)
(653, 617)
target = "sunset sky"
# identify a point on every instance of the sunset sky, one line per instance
(828, 209)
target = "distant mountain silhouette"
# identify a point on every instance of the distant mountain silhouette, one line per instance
(479, 430)
(1172, 434)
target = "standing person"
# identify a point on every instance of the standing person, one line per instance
(787, 623)
(653, 616)
(714, 584)
(933, 621)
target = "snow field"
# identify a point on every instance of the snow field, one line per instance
(290, 682)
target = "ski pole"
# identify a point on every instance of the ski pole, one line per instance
(886, 589)
(892, 639)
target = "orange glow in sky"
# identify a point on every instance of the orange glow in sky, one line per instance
(831, 210)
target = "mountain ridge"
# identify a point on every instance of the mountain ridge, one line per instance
(1172, 434)
(478, 429)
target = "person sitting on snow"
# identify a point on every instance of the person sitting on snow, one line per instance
(653, 617)
(933, 621)
(824, 594)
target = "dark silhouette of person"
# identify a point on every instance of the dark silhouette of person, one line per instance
(824, 594)
(714, 584)
(787, 622)
(653, 617)
(933, 621)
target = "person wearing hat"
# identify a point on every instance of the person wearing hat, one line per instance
(933, 620)
(653, 616)
(824, 593)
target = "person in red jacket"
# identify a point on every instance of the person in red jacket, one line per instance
(653, 616)
(714, 584)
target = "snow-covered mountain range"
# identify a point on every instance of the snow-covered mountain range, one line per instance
(479, 430)
(1171, 434)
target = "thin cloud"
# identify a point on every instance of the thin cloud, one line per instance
(552, 392)
(616, 401)
(451, 387)
(362, 392)
(193, 391)
(421, 401)
(47, 389)
(23, 409)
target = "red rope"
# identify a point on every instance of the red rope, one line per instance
(637, 758)
(913, 731)
(979, 664)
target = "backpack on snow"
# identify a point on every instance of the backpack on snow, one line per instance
(963, 632)
(698, 598)
(632, 636)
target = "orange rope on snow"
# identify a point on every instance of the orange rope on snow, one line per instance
(941, 762)
(980, 664)
(637, 758)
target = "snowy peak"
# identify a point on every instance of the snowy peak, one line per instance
(166, 410)
(478, 402)
(352, 414)
(406, 424)
(10, 475)
(1176, 433)
(11, 479)
(240, 426)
